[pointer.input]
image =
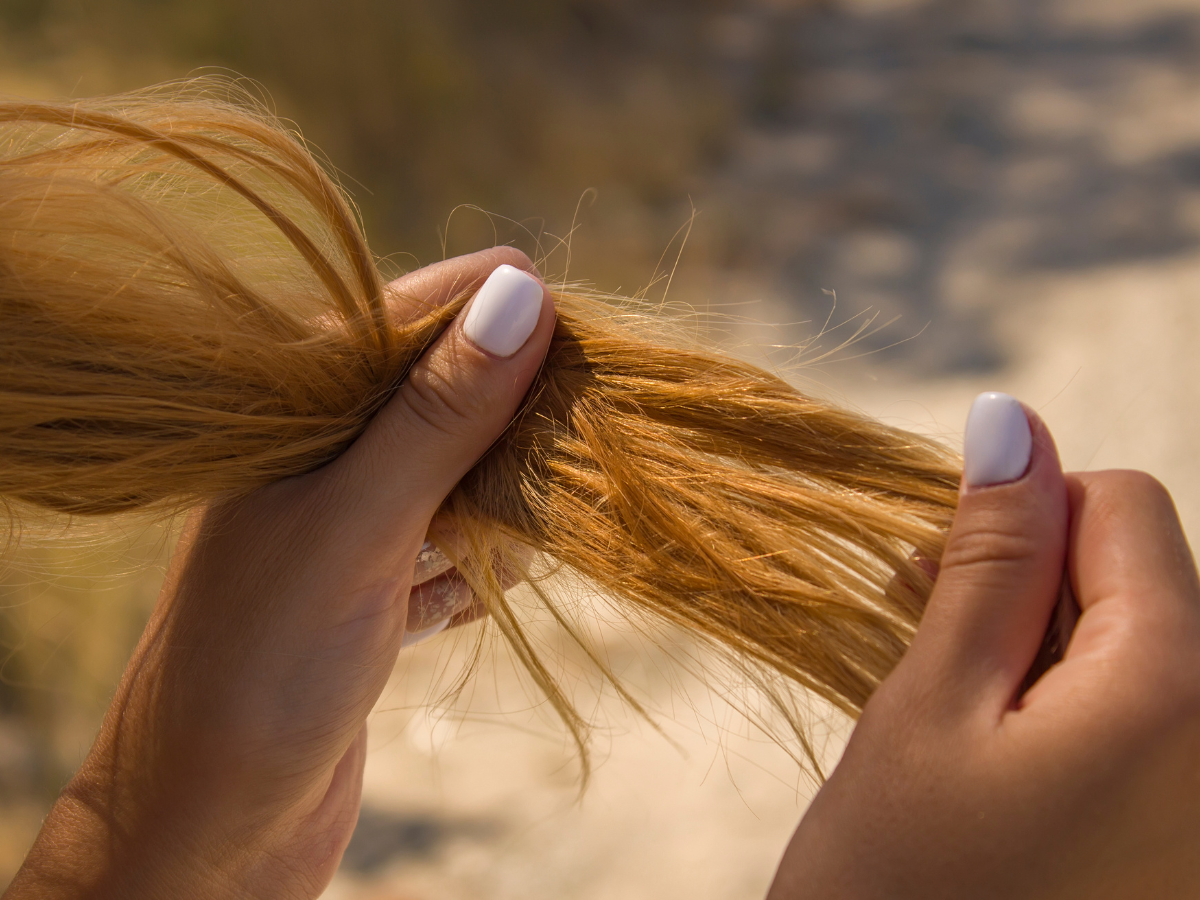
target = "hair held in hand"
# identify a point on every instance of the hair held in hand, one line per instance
(189, 310)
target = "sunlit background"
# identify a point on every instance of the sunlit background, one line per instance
(1008, 191)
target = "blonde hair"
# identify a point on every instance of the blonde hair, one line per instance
(189, 311)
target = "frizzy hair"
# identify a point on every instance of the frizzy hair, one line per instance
(189, 311)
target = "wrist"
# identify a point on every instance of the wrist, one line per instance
(88, 849)
(113, 835)
(194, 789)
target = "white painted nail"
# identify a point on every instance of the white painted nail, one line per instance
(415, 637)
(504, 311)
(998, 443)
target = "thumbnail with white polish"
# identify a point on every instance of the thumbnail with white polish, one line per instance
(504, 311)
(998, 442)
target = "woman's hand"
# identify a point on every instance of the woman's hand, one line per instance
(230, 763)
(953, 785)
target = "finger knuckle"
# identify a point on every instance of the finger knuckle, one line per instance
(1142, 486)
(991, 545)
(431, 399)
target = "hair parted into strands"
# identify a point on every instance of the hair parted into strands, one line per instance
(189, 311)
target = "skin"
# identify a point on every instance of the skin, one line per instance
(230, 763)
(1088, 786)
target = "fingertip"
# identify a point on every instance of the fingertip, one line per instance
(1006, 443)
(1011, 469)
(412, 638)
(430, 287)
(1127, 541)
(457, 399)
(998, 441)
(1003, 561)
(511, 256)
(505, 311)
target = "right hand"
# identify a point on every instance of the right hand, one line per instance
(1088, 786)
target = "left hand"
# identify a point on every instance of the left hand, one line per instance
(230, 762)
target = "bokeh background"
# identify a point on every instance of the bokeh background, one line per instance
(1005, 193)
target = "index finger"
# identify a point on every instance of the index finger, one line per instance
(1126, 541)
(430, 287)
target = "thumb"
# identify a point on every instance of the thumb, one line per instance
(1002, 568)
(456, 401)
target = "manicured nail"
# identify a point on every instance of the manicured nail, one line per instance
(504, 312)
(438, 599)
(431, 562)
(415, 637)
(998, 443)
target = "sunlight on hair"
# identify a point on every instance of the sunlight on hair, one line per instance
(189, 311)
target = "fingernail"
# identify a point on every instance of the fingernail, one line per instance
(415, 637)
(438, 599)
(504, 312)
(431, 562)
(998, 443)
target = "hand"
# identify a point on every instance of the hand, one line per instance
(1088, 786)
(230, 763)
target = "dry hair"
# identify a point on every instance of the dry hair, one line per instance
(189, 310)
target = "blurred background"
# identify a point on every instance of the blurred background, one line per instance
(1005, 192)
